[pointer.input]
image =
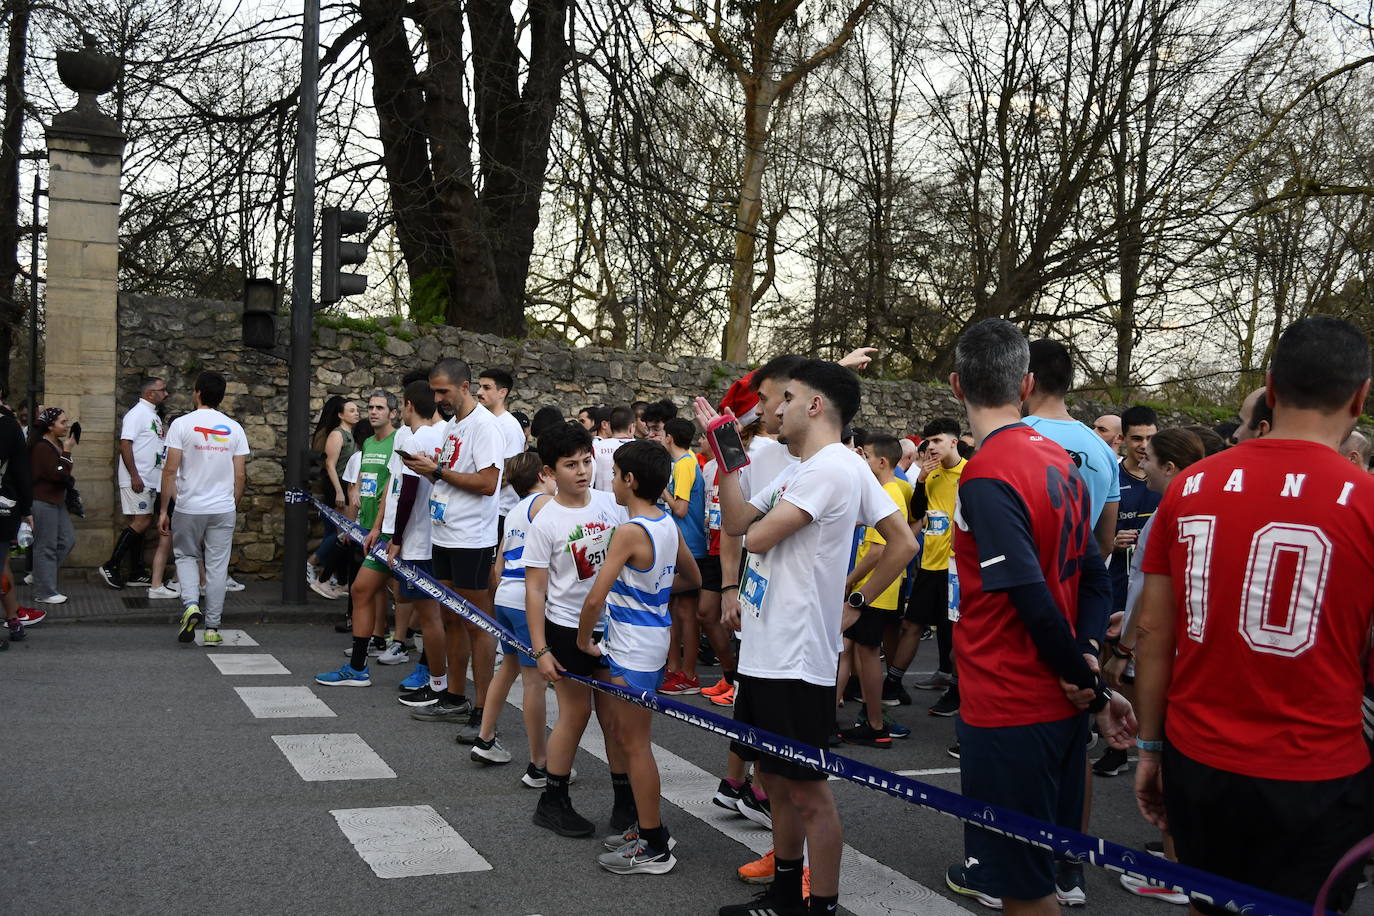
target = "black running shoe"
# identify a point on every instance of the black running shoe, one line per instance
(727, 796)
(420, 696)
(111, 576)
(765, 904)
(558, 815)
(867, 735)
(1113, 762)
(947, 705)
(894, 694)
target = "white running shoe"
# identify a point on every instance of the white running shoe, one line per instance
(395, 654)
(166, 590)
(323, 590)
(53, 599)
(232, 585)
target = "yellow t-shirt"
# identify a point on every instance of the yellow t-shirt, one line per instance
(887, 601)
(942, 486)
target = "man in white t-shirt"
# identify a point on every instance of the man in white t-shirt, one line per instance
(140, 465)
(463, 510)
(799, 529)
(493, 388)
(621, 421)
(207, 454)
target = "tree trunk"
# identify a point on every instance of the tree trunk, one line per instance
(749, 210)
(11, 137)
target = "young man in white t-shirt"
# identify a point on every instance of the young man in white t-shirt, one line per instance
(564, 548)
(139, 467)
(463, 509)
(622, 421)
(207, 455)
(493, 388)
(799, 530)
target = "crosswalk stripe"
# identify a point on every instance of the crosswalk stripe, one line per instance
(407, 841)
(283, 703)
(867, 886)
(319, 758)
(246, 664)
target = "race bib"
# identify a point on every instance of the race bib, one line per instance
(436, 510)
(713, 517)
(589, 552)
(937, 523)
(367, 485)
(754, 586)
(953, 591)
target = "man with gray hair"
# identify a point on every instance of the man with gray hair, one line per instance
(139, 469)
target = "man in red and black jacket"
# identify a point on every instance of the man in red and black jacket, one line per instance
(1034, 600)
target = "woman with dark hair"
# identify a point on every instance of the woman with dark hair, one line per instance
(333, 436)
(50, 456)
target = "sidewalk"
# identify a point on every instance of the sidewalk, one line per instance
(260, 602)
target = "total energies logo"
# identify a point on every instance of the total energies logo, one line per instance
(218, 434)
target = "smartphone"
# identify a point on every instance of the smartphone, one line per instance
(723, 437)
(75, 431)
(405, 454)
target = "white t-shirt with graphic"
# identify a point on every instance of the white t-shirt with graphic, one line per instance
(792, 596)
(513, 443)
(143, 428)
(208, 441)
(767, 459)
(415, 540)
(571, 543)
(462, 518)
(603, 461)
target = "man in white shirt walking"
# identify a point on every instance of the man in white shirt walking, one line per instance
(207, 454)
(140, 464)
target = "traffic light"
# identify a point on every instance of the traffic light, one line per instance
(336, 253)
(259, 314)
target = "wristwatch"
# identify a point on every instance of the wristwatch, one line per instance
(856, 600)
(437, 474)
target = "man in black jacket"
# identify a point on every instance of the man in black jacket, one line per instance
(16, 499)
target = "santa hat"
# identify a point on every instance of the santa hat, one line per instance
(743, 400)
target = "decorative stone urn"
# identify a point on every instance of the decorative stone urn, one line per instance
(90, 73)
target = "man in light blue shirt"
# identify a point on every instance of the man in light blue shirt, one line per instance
(1047, 413)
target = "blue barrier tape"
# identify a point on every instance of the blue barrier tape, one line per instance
(1063, 842)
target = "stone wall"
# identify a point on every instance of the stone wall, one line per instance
(177, 338)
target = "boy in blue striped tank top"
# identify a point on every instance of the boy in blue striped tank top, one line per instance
(646, 563)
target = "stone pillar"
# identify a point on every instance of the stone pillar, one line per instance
(85, 153)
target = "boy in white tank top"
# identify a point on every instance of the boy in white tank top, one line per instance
(645, 564)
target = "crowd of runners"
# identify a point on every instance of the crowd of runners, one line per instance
(1199, 595)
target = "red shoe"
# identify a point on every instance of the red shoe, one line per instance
(30, 615)
(681, 684)
(716, 689)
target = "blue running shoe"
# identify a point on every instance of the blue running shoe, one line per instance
(416, 679)
(347, 676)
(897, 730)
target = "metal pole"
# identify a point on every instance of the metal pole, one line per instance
(33, 304)
(302, 310)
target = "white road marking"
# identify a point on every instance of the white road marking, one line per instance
(867, 886)
(318, 758)
(247, 664)
(231, 638)
(283, 703)
(406, 841)
(938, 771)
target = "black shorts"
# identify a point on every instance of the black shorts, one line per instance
(562, 641)
(1035, 769)
(1278, 835)
(799, 710)
(467, 568)
(710, 573)
(928, 602)
(868, 630)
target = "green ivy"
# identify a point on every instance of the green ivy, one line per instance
(429, 297)
(348, 323)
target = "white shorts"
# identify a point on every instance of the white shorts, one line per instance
(137, 503)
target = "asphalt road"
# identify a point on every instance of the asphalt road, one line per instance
(139, 781)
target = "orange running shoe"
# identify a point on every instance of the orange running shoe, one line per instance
(725, 697)
(716, 689)
(760, 871)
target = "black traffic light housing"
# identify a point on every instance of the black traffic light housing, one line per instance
(259, 314)
(336, 253)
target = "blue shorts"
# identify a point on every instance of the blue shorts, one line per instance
(1035, 769)
(639, 680)
(516, 622)
(407, 591)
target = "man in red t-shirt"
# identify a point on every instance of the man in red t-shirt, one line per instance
(1254, 632)
(1034, 596)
